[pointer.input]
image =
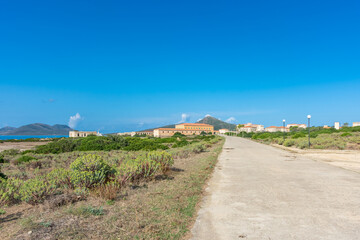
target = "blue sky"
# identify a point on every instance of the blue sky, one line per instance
(129, 65)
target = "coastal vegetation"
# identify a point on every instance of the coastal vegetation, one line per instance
(344, 138)
(148, 187)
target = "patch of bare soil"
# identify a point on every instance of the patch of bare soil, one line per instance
(347, 159)
(20, 145)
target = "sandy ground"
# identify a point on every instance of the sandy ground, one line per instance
(20, 145)
(348, 159)
(261, 192)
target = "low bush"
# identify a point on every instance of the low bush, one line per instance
(86, 211)
(198, 148)
(298, 135)
(181, 143)
(346, 134)
(35, 190)
(164, 159)
(60, 177)
(89, 170)
(302, 144)
(10, 152)
(279, 141)
(9, 191)
(178, 134)
(289, 142)
(24, 159)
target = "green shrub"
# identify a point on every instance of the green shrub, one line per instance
(198, 147)
(35, 190)
(2, 160)
(314, 134)
(24, 159)
(89, 170)
(9, 191)
(289, 142)
(3, 177)
(140, 168)
(181, 143)
(302, 144)
(178, 134)
(10, 152)
(298, 135)
(82, 192)
(86, 211)
(164, 159)
(60, 177)
(346, 134)
(102, 143)
(279, 141)
(2, 211)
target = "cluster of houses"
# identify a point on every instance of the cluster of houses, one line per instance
(198, 128)
(249, 127)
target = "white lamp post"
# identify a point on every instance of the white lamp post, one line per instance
(284, 128)
(309, 116)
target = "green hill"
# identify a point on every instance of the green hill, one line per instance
(218, 124)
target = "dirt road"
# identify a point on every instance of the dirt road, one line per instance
(261, 192)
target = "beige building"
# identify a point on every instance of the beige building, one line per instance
(81, 133)
(184, 128)
(277, 129)
(356, 124)
(146, 132)
(296, 125)
(337, 125)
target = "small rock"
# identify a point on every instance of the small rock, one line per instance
(29, 232)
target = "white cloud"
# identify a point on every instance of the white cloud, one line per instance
(74, 120)
(230, 120)
(184, 118)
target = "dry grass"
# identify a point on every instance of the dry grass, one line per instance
(160, 209)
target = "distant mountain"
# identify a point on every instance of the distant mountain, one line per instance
(5, 130)
(167, 126)
(218, 124)
(36, 129)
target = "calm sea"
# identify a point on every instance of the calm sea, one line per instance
(31, 136)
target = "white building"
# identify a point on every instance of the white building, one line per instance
(82, 133)
(249, 127)
(356, 124)
(337, 125)
(223, 131)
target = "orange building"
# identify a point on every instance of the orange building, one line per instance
(184, 128)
